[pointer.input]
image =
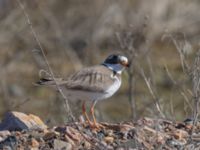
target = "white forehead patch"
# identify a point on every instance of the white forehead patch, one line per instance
(123, 58)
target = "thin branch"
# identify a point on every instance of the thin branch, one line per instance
(155, 98)
(66, 104)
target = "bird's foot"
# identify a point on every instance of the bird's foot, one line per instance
(96, 126)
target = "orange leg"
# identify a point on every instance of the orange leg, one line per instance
(85, 114)
(92, 112)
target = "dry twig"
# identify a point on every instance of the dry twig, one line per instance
(66, 104)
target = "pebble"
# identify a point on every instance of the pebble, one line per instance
(34, 143)
(4, 133)
(61, 145)
(109, 139)
(50, 135)
(69, 140)
(86, 145)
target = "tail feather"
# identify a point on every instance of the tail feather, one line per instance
(49, 81)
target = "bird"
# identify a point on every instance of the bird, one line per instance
(93, 83)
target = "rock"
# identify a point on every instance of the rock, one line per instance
(180, 134)
(9, 142)
(130, 144)
(61, 145)
(50, 135)
(34, 143)
(67, 139)
(4, 134)
(86, 145)
(109, 132)
(109, 139)
(20, 121)
(74, 134)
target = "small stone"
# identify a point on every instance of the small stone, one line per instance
(61, 145)
(86, 145)
(34, 143)
(10, 141)
(50, 135)
(179, 134)
(74, 134)
(1, 139)
(60, 129)
(189, 126)
(67, 139)
(160, 139)
(109, 139)
(37, 135)
(7, 148)
(109, 132)
(5, 133)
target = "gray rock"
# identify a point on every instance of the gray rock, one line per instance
(9, 143)
(4, 134)
(61, 145)
(19, 121)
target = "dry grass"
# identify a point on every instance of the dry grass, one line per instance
(76, 34)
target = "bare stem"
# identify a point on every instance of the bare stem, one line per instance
(155, 98)
(196, 87)
(66, 103)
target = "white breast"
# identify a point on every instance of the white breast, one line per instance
(113, 88)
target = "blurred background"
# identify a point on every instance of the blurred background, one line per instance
(160, 37)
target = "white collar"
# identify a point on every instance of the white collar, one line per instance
(118, 68)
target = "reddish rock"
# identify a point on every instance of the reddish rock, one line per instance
(34, 143)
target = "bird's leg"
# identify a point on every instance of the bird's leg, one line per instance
(85, 114)
(92, 112)
(95, 125)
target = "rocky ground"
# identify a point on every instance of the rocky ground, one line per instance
(21, 131)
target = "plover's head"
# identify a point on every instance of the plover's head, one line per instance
(116, 62)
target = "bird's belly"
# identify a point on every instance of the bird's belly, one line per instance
(84, 95)
(91, 95)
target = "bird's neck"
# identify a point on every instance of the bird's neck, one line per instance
(117, 68)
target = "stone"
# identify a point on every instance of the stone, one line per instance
(4, 134)
(61, 145)
(10, 141)
(109, 139)
(86, 145)
(19, 121)
(34, 143)
(50, 135)
(69, 140)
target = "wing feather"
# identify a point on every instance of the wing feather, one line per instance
(91, 79)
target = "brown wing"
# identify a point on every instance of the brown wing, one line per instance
(96, 78)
